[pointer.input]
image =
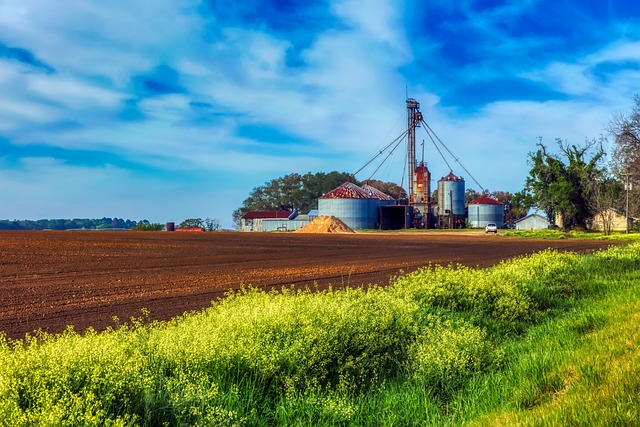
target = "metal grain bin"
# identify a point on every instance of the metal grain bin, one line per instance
(383, 200)
(486, 210)
(351, 204)
(451, 195)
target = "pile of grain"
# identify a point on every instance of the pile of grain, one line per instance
(325, 224)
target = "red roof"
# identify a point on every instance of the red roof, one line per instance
(485, 200)
(189, 229)
(266, 214)
(348, 190)
(375, 193)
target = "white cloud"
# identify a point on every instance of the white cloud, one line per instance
(619, 51)
(579, 78)
(72, 93)
(377, 20)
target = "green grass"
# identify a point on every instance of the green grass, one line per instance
(583, 235)
(548, 339)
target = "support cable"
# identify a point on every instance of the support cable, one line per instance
(385, 159)
(437, 148)
(395, 141)
(452, 155)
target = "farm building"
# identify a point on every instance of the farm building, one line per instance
(275, 220)
(532, 222)
(616, 220)
(252, 221)
(292, 223)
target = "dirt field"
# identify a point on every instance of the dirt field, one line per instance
(50, 279)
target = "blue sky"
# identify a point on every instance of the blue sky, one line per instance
(170, 109)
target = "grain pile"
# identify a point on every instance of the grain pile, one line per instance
(325, 224)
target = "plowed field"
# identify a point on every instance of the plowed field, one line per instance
(51, 279)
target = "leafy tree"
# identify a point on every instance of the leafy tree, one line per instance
(390, 188)
(192, 223)
(562, 184)
(521, 202)
(470, 195)
(608, 194)
(147, 226)
(211, 224)
(625, 157)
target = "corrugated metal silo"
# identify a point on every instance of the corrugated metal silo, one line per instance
(383, 200)
(486, 210)
(451, 201)
(353, 205)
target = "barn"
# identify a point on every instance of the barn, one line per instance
(532, 222)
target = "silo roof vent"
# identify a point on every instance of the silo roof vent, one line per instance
(451, 177)
(374, 193)
(348, 190)
(485, 200)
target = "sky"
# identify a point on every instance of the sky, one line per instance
(172, 109)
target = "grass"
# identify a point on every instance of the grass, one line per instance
(583, 235)
(548, 339)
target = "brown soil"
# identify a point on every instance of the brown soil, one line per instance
(326, 224)
(50, 279)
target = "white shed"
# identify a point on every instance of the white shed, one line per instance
(532, 222)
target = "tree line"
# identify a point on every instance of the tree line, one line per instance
(70, 224)
(207, 224)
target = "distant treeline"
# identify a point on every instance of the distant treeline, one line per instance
(69, 224)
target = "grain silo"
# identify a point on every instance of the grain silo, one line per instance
(383, 200)
(451, 202)
(486, 210)
(354, 206)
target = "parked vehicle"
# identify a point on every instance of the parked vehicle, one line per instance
(491, 228)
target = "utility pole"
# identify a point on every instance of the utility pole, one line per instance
(627, 187)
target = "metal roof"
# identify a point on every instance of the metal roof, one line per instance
(533, 215)
(451, 177)
(348, 190)
(485, 200)
(266, 214)
(375, 193)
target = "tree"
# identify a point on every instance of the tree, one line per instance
(390, 188)
(521, 202)
(192, 223)
(470, 195)
(291, 192)
(625, 157)
(562, 185)
(211, 224)
(147, 226)
(608, 196)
